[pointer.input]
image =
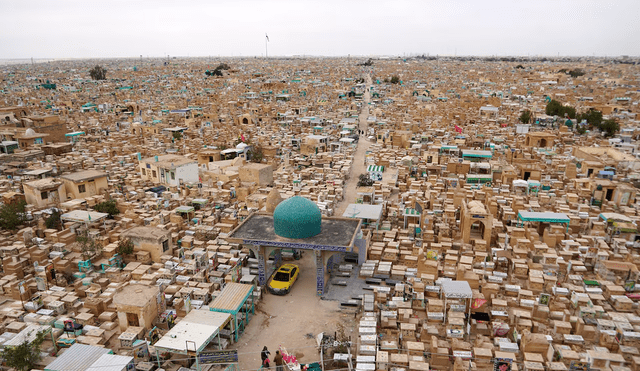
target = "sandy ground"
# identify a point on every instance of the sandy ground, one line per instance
(287, 320)
(293, 320)
(358, 166)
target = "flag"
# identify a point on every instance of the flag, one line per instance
(458, 129)
(89, 216)
(267, 36)
(477, 303)
(242, 137)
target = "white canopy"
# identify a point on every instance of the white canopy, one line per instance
(457, 289)
(480, 165)
(520, 183)
(197, 328)
(362, 211)
(83, 216)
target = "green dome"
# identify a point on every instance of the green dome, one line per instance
(297, 217)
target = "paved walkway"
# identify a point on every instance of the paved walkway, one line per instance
(358, 166)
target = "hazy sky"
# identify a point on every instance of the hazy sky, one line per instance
(130, 28)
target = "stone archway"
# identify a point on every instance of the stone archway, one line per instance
(476, 231)
(262, 253)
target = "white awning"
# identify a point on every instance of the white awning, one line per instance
(457, 289)
(83, 216)
(184, 209)
(196, 329)
(362, 211)
(480, 165)
(520, 183)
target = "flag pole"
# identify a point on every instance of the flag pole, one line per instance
(266, 40)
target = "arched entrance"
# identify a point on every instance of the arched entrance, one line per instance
(477, 231)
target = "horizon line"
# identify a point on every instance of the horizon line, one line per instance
(411, 55)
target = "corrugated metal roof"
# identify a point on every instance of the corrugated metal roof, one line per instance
(29, 333)
(110, 362)
(77, 358)
(231, 298)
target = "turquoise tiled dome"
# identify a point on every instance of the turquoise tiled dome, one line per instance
(297, 217)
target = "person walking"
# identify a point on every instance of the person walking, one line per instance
(278, 361)
(265, 357)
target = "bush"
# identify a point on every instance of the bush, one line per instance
(177, 135)
(98, 73)
(125, 247)
(12, 215)
(395, 79)
(256, 153)
(364, 181)
(53, 221)
(108, 207)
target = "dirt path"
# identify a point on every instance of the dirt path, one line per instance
(295, 319)
(358, 166)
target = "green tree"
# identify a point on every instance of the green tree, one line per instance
(24, 356)
(581, 129)
(555, 108)
(177, 135)
(88, 245)
(12, 215)
(395, 79)
(256, 154)
(53, 221)
(110, 207)
(525, 117)
(576, 73)
(223, 66)
(98, 73)
(609, 127)
(218, 70)
(593, 117)
(369, 62)
(125, 247)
